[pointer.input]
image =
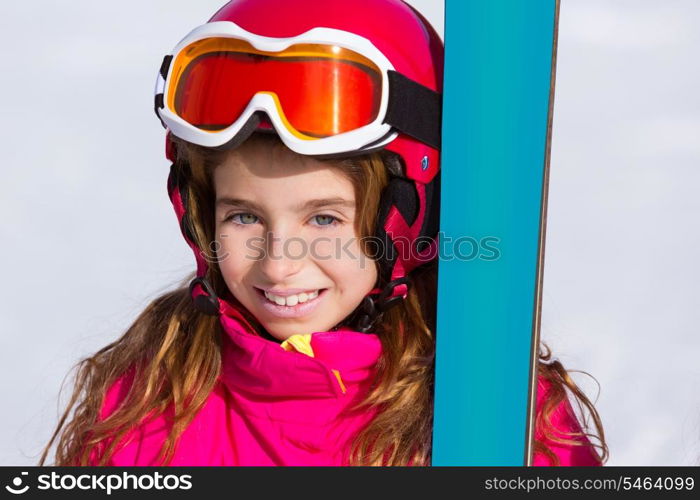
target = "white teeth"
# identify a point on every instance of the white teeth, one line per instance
(291, 300)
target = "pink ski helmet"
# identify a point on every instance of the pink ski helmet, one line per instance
(406, 55)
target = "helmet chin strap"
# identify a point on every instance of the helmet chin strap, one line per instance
(371, 310)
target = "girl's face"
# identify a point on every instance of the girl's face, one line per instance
(285, 225)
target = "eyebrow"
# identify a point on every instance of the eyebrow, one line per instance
(309, 204)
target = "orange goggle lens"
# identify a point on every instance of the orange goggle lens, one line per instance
(320, 90)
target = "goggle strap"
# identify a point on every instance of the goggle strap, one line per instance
(159, 104)
(159, 101)
(165, 66)
(414, 109)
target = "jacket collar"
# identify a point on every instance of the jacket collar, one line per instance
(342, 363)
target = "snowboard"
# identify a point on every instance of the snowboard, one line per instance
(497, 114)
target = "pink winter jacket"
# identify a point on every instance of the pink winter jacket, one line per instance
(564, 421)
(279, 404)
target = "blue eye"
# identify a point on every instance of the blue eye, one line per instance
(231, 217)
(333, 220)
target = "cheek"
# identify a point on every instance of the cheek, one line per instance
(325, 249)
(349, 260)
(236, 254)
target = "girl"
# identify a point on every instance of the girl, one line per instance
(304, 138)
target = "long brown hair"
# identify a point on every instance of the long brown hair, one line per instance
(560, 385)
(172, 351)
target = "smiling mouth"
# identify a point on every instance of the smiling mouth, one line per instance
(298, 299)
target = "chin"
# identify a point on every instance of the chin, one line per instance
(277, 334)
(283, 332)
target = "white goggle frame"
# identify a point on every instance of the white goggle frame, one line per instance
(371, 136)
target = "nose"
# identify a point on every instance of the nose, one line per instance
(284, 257)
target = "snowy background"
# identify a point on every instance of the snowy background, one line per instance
(89, 236)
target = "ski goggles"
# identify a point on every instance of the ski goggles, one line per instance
(324, 92)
